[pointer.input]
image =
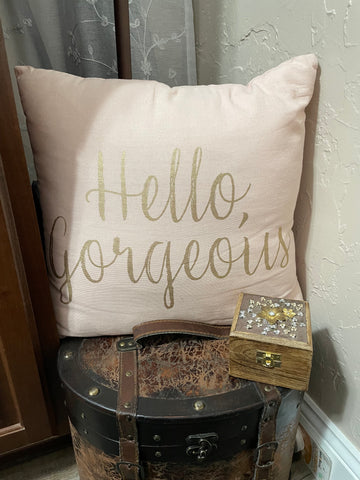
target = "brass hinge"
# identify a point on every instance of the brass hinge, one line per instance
(268, 359)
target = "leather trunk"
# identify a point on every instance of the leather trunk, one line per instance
(193, 420)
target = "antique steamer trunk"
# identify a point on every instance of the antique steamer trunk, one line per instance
(192, 420)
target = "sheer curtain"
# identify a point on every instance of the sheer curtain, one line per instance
(78, 37)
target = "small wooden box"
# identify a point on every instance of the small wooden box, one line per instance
(271, 342)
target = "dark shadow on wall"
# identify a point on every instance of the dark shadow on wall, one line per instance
(208, 24)
(328, 386)
(302, 217)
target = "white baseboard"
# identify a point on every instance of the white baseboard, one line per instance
(344, 456)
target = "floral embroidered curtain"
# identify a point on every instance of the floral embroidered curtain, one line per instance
(77, 36)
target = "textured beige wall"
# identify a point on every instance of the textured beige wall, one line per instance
(237, 40)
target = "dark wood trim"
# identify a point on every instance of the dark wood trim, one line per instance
(122, 35)
(42, 326)
(29, 420)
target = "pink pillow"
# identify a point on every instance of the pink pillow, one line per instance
(166, 202)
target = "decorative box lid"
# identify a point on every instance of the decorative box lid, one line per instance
(272, 320)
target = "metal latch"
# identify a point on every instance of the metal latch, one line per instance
(268, 359)
(201, 445)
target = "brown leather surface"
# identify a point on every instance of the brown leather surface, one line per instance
(267, 445)
(95, 465)
(126, 414)
(167, 366)
(92, 463)
(100, 358)
(185, 367)
(240, 467)
(183, 327)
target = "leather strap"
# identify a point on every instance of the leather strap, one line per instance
(267, 444)
(129, 466)
(182, 327)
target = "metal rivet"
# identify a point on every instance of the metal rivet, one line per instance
(244, 428)
(268, 388)
(156, 438)
(85, 432)
(242, 441)
(130, 437)
(158, 454)
(199, 405)
(128, 373)
(127, 405)
(93, 391)
(122, 344)
(83, 416)
(68, 354)
(131, 344)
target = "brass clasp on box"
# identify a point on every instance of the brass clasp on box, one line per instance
(268, 359)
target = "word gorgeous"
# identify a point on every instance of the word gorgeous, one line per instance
(180, 201)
